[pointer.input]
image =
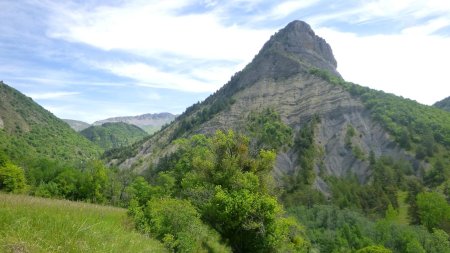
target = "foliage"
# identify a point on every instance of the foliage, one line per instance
(114, 135)
(231, 189)
(421, 129)
(389, 176)
(90, 181)
(331, 229)
(12, 178)
(178, 225)
(204, 112)
(30, 132)
(268, 130)
(31, 224)
(298, 187)
(307, 151)
(433, 209)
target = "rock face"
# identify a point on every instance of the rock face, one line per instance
(443, 104)
(300, 41)
(297, 100)
(279, 78)
(148, 122)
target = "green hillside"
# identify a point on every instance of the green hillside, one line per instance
(114, 135)
(30, 224)
(28, 131)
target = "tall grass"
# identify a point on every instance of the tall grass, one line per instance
(30, 224)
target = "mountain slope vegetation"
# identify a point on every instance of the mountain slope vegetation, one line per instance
(114, 135)
(29, 131)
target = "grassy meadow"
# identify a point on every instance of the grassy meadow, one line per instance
(30, 224)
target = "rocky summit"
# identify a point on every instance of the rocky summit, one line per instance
(298, 40)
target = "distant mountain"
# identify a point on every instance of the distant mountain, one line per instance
(28, 131)
(114, 135)
(76, 124)
(443, 104)
(148, 122)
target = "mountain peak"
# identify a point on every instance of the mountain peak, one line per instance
(298, 39)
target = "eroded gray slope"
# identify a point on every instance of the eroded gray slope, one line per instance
(278, 77)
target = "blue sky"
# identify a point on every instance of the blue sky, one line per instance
(89, 60)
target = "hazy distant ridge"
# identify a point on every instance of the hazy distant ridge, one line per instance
(150, 122)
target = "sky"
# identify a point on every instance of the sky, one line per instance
(90, 60)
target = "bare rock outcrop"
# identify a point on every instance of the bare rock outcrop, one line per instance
(279, 78)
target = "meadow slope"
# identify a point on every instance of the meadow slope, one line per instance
(30, 224)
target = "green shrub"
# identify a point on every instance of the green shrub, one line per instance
(12, 178)
(177, 224)
(434, 210)
(268, 130)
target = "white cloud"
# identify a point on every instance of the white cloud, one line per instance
(149, 76)
(284, 9)
(412, 65)
(150, 29)
(51, 95)
(428, 28)
(156, 31)
(150, 43)
(400, 12)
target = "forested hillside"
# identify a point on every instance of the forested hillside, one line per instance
(28, 131)
(114, 135)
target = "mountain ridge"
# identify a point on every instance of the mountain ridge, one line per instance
(150, 122)
(77, 125)
(28, 130)
(113, 134)
(279, 77)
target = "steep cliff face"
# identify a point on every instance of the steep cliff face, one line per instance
(279, 78)
(298, 99)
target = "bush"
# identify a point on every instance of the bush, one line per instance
(177, 224)
(434, 210)
(12, 178)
